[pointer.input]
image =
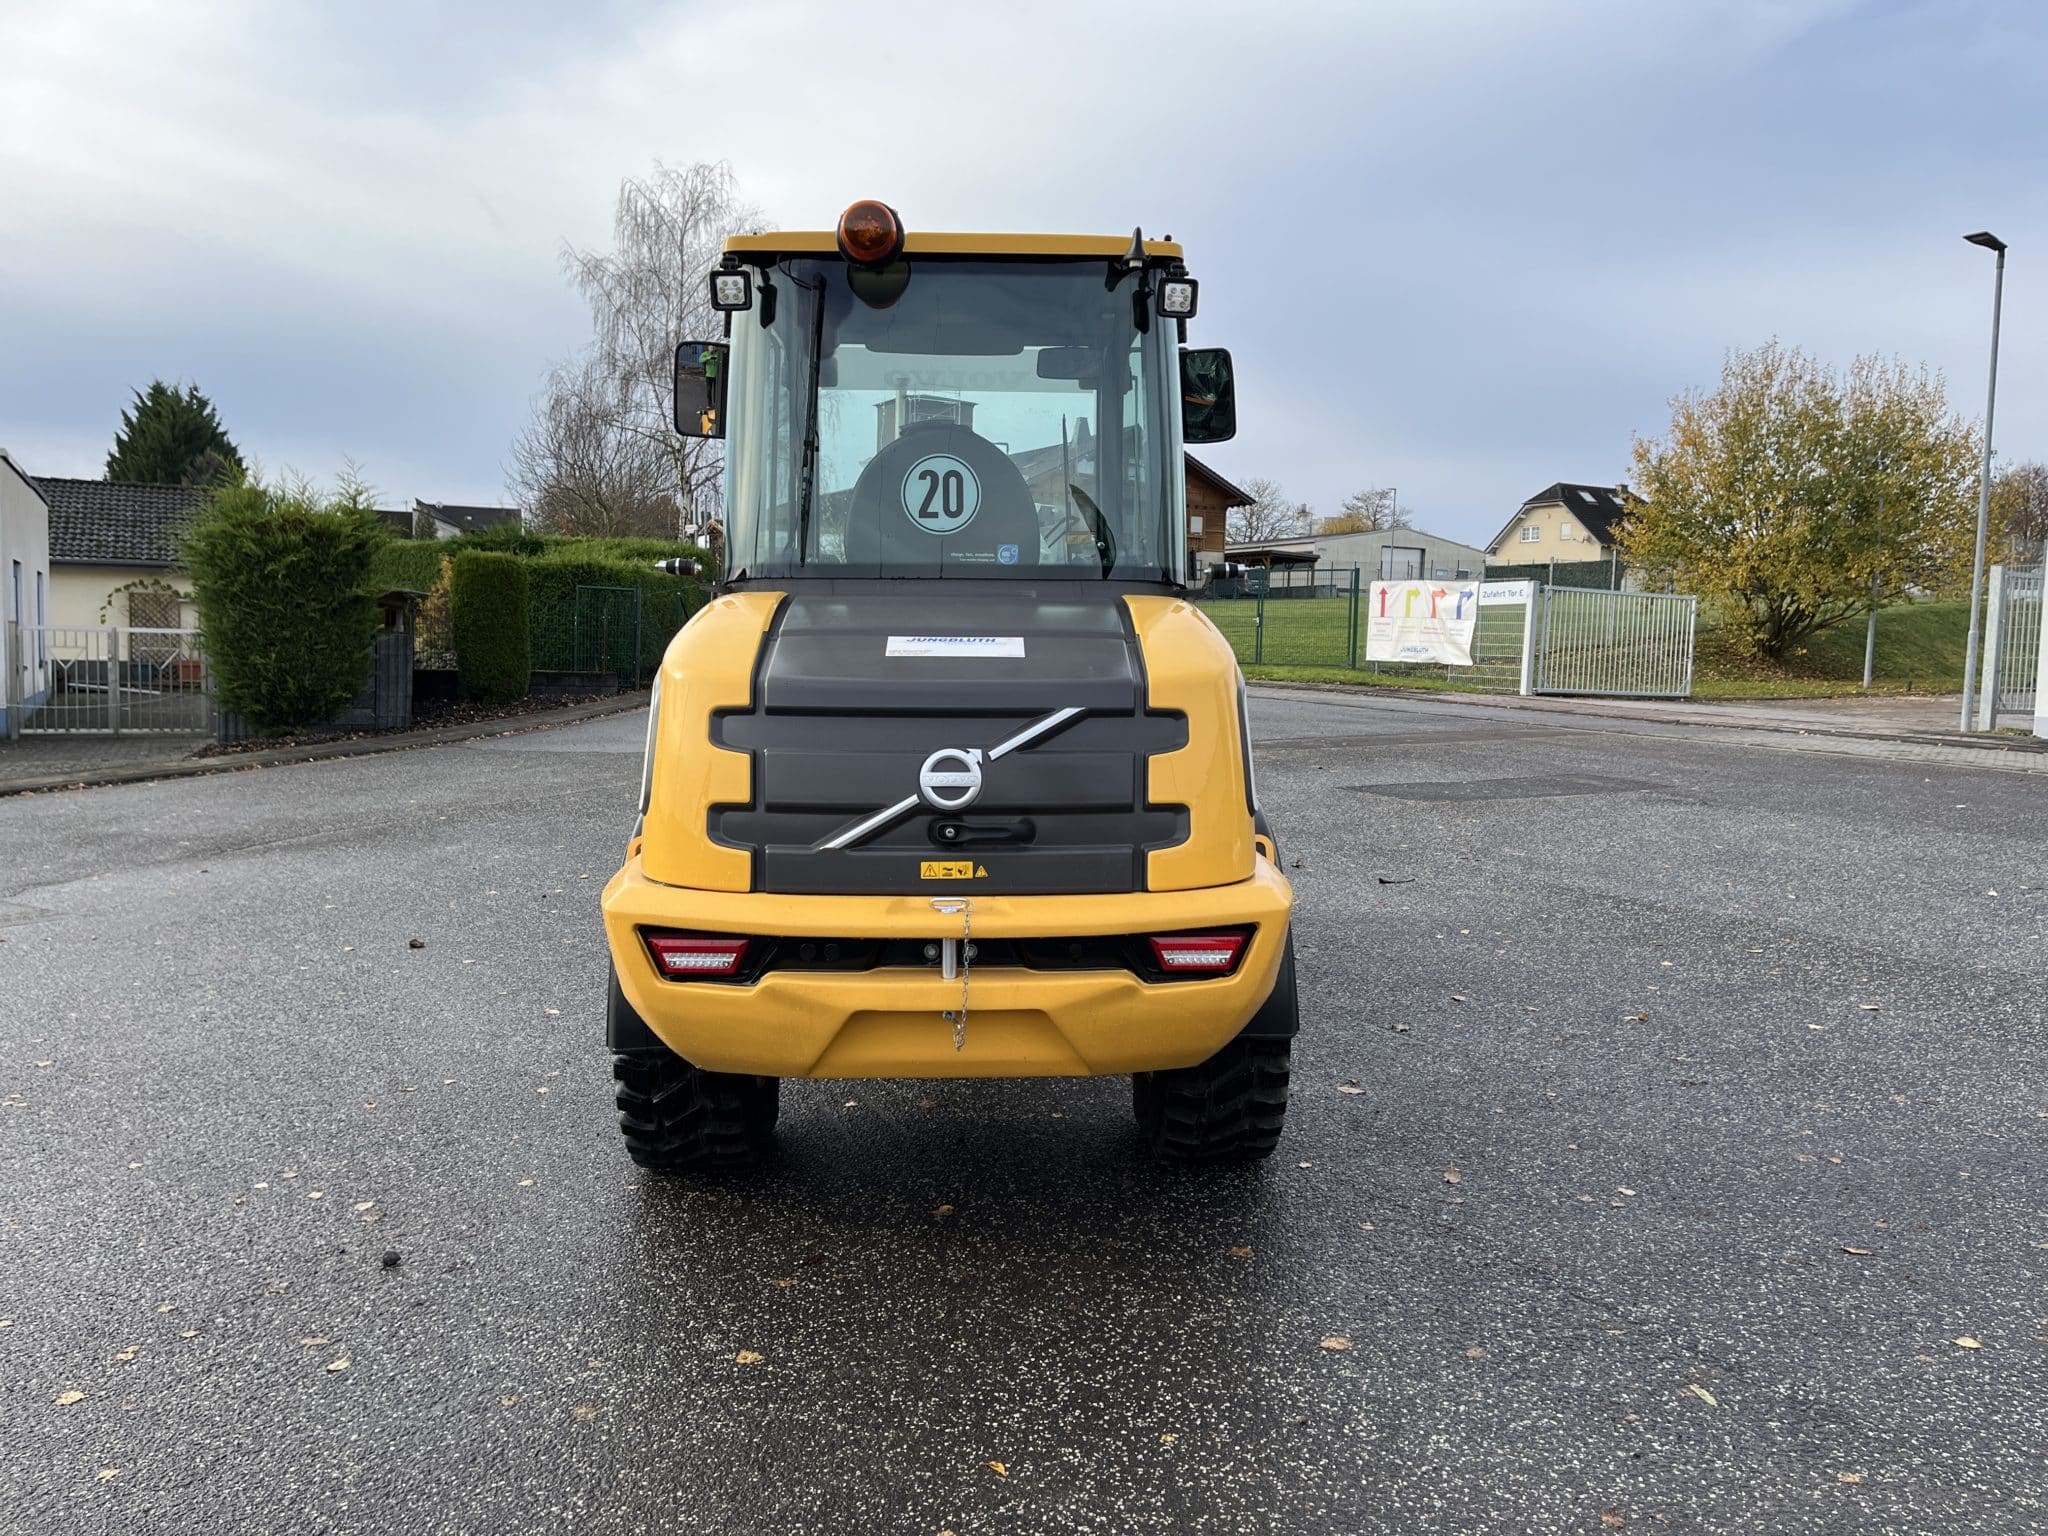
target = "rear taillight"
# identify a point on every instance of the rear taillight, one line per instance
(1185, 952)
(677, 955)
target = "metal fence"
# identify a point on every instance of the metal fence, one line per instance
(1620, 644)
(618, 631)
(2012, 644)
(1577, 640)
(106, 680)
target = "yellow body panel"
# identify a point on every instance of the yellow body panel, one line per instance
(1190, 668)
(825, 242)
(708, 666)
(887, 1023)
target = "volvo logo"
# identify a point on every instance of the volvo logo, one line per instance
(950, 779)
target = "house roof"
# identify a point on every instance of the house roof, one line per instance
(1232, 495)
(115, 522)
(1597, 507)
(470, 519)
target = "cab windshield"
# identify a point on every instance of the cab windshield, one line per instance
(952, 418)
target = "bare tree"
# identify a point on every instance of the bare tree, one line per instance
(601, 454)
(1270, 516)
(1370, 511)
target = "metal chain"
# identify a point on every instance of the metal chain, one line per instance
(959, 1020)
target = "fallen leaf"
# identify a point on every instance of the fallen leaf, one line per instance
(748, 1357)
(415, 943)
(1336, 1341)
(66, 1399)
(1611, 1520)
(1966, 1342)
(1365, 1226)
(942, 1210)
(338, 1365)
(1871, 1007)
(584, 1412)
(507, 1402)
(528, 1183)
(1457, 997)
(362, 1205)
(1848, 1477)
(1350, 1087)
(1240, 1253)
(1623, 1189)
(1001, 1469)
(1399, 1029)
(169, 1306)
(315, 1194)
(1452, 1176)
(553, 1012)
(108, 1474)
(1168, 1438)
(188, 1333)
(1703, 1394)
(1861, 1253)
(1476, 1352)
(782, 1285)
(316, 1341)
(1304, 1165)
(129, 1353)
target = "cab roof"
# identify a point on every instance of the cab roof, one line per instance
(825, 242)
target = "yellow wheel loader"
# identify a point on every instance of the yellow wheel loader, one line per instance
(948, 778)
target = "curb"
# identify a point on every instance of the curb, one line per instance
(367, 746)
(2023, 745)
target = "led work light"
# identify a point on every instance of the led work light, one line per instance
(1177, 297)
(732, 290)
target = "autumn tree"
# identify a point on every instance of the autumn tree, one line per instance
(601, 454)
(1374, 510)
(1269, 516)
(173, 436)
(2019, 510)
(1794, 496)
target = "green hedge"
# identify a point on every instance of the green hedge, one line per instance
(487, 601)
(281, 575)
(620, 622)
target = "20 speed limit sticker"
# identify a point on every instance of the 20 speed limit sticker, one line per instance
(940, 494)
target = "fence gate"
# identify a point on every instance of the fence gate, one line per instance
(2012, 644)
(1624, 644)
(107, 680)
(608, 632)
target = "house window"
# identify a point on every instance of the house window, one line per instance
(1531, 533)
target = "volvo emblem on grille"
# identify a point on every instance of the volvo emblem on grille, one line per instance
(950, 779)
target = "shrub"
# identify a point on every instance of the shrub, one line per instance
(280, 574)
(487, 604)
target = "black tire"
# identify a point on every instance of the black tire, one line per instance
(675, 1115)
(1229, 1108)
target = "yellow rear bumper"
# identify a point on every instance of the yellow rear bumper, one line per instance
(886, 1023)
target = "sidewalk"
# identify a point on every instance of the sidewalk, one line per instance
(1921, 719)
(74, 762)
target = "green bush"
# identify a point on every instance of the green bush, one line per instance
(487, 602)
(612, 630)
(280, 574)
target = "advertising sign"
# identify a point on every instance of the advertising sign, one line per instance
(1422, 621)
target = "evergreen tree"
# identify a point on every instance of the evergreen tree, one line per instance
(173, 437)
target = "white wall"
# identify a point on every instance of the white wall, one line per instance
(24, 578)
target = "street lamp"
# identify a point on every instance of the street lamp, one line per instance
(1990, 242)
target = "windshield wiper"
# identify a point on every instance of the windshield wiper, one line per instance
(809, 471)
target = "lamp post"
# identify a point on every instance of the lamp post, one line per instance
(1990, 242)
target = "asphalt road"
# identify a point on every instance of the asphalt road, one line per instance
(1736, 1051)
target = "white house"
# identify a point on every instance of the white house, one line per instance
(24, 591)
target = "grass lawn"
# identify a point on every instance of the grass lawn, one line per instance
(1919, 650)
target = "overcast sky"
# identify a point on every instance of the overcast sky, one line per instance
(1466, 249)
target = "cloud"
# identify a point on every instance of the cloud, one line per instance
(1463, 248)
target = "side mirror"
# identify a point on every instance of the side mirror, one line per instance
(1208, 396)
(700, 388)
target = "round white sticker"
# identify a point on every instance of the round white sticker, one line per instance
(940, 494)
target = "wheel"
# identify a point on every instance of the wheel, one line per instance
(675, 1115)
(1229, 1108)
